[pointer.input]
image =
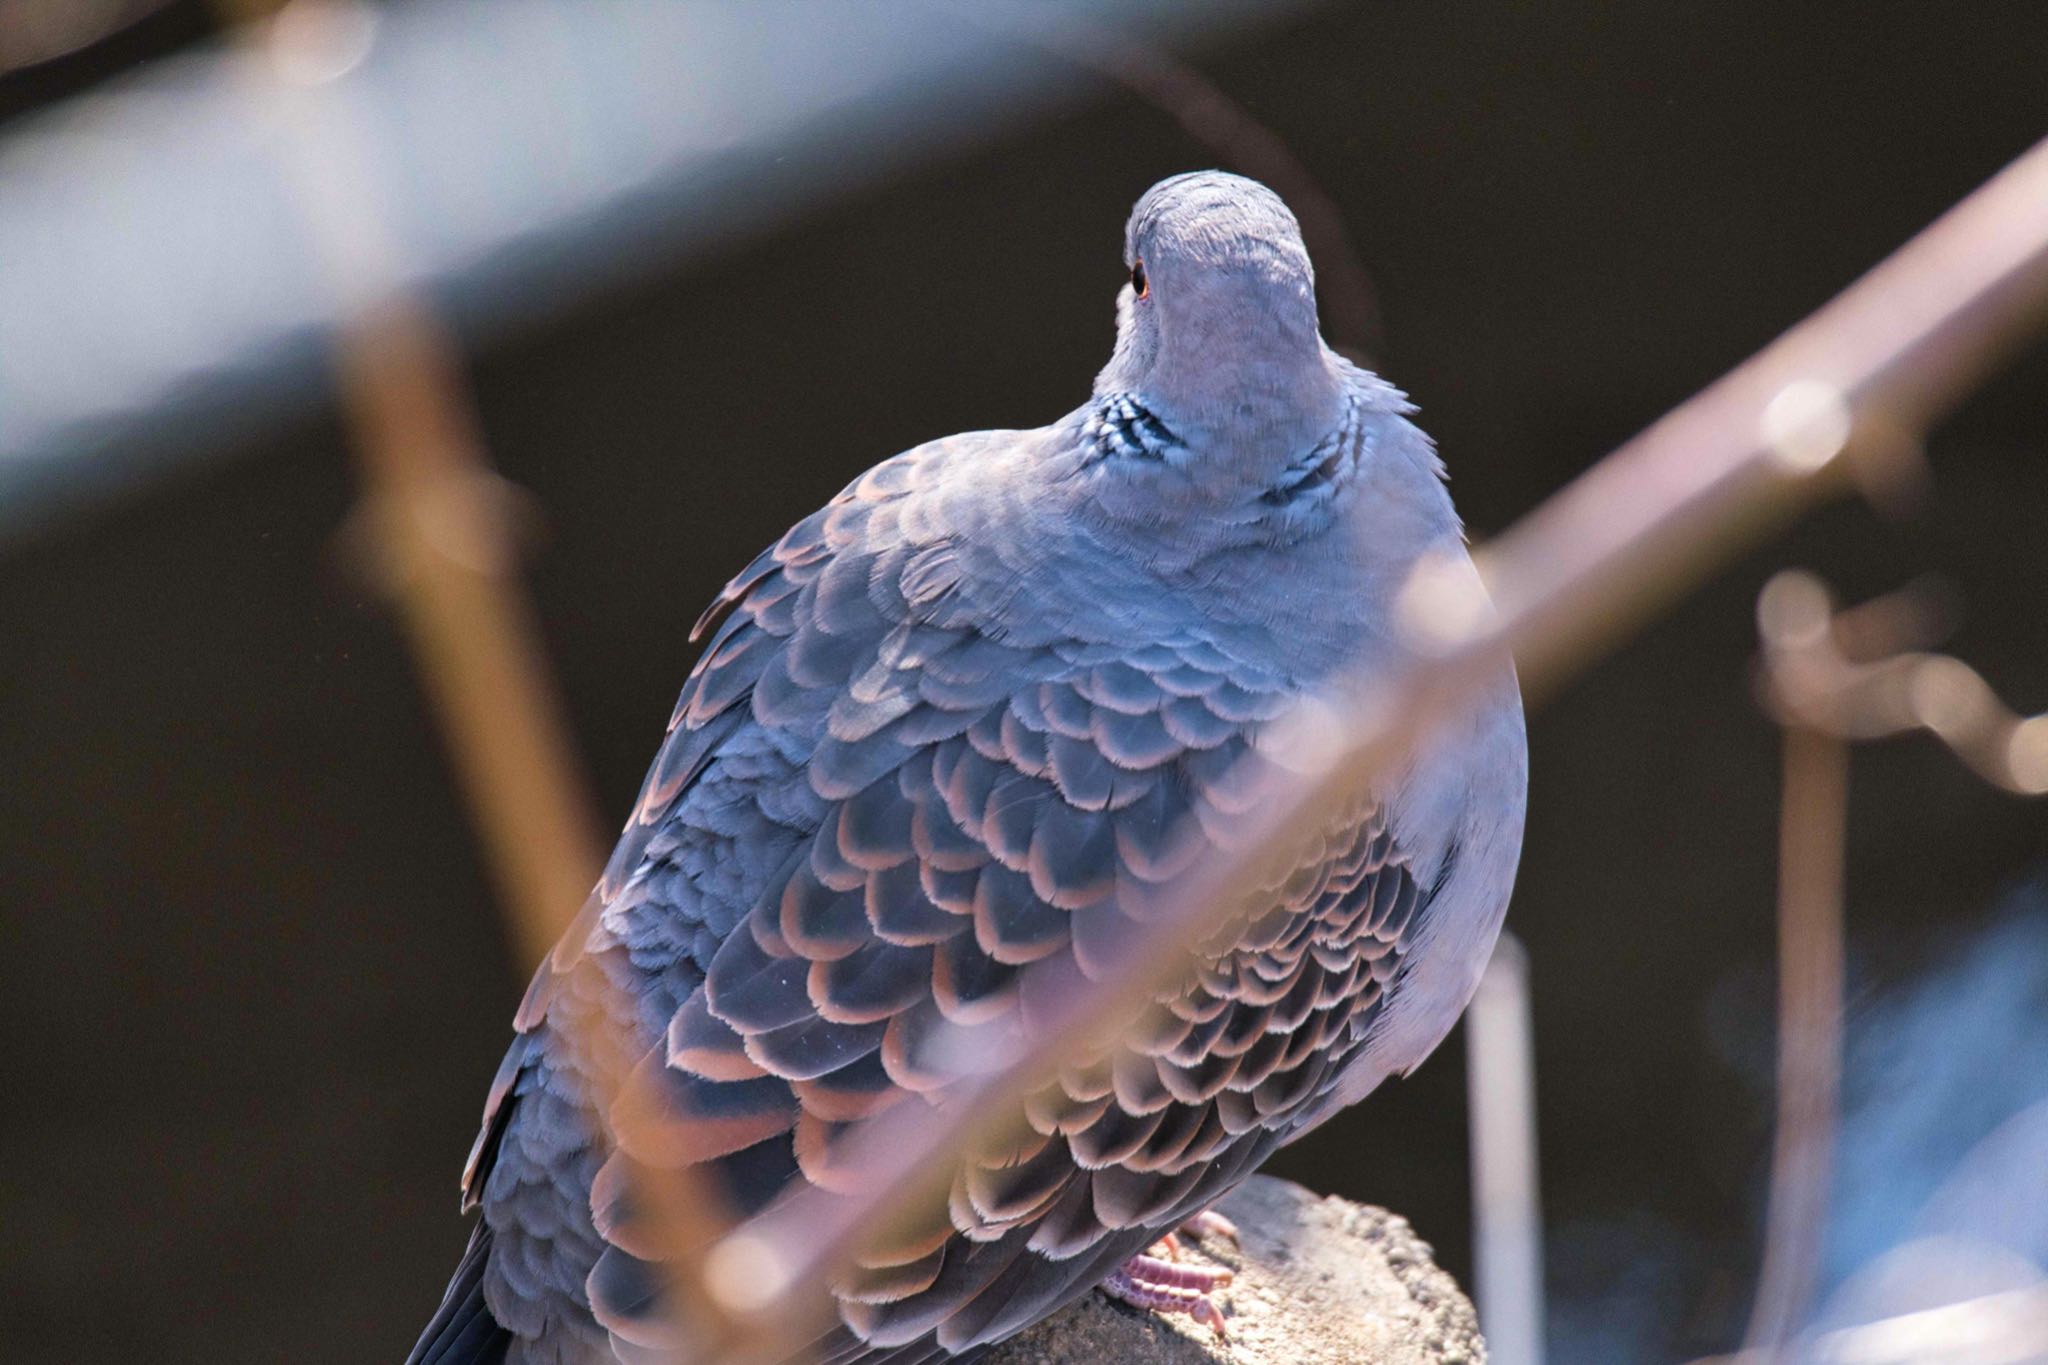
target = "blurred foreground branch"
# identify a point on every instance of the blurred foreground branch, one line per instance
(436, 526)
(1854, 675)
(435, 521)
(1813, 820)
(1507, 1214)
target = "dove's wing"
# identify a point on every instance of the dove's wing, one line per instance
(875, 807)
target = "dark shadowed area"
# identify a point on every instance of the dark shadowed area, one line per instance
(253, 980)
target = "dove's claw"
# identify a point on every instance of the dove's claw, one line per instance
(1166, 1286)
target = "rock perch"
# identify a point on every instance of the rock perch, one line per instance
(1318, 1282)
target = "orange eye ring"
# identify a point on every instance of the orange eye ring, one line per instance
(1138, 280)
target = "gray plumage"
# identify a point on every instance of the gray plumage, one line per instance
(955, 723)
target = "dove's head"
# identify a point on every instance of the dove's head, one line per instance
(1216, 331)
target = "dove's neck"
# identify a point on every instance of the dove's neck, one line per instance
(1253, 396)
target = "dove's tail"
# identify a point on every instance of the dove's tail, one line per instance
(463, 1331)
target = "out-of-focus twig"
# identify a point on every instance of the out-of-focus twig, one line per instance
(1823, 698)
(1812, 822)
(1507, 1216)
(1850, 386)
(434, 515)
(435, 518)
(1821, 675)
(436, 522)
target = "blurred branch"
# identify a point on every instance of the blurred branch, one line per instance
(1507, 1213)
(437, 525)
(1836, 399)
(1823, 698)
(1815, 679)
(434, 514)
(1813, 817)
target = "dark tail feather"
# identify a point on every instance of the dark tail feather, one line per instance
(463, 1331)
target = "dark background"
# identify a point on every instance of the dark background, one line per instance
(252, 978)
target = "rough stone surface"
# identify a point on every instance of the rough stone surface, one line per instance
(1318, 1282)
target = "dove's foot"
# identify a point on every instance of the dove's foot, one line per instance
(1166, 1284)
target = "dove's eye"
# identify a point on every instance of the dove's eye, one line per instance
(1138, 280)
